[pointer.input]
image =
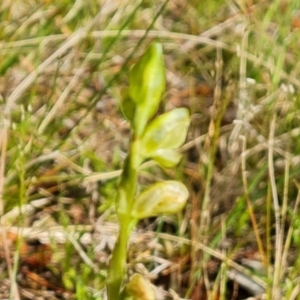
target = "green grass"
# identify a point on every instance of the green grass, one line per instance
(63, 65)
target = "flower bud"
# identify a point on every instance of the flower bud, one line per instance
(146, 86)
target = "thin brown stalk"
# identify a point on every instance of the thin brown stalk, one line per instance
(250, 208)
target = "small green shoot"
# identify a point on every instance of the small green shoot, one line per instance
(157, 139)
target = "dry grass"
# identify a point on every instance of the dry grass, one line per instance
(63, 141)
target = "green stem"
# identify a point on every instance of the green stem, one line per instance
(124, 204)
(118, 263)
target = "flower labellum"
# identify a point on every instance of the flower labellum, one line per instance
(165, 197)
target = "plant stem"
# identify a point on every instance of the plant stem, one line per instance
(124, 204)
(118, 263)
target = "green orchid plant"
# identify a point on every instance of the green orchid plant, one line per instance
(156, 138)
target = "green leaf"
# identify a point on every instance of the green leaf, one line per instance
(168, 131)
(146, 85)
(165, 197)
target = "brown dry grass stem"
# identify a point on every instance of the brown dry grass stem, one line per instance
(255, 226)
(276, 291)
